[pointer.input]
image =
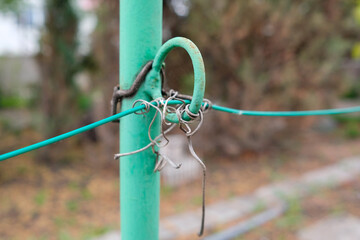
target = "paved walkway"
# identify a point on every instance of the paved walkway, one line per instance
(268, 196)
(344, 227)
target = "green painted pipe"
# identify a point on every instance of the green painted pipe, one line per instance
(140, 39)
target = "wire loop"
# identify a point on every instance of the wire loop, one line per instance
(199, 73)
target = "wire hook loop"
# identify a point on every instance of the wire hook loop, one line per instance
(199, 73)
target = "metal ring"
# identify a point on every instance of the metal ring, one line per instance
(190, 114)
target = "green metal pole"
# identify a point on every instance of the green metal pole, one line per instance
(140, 39)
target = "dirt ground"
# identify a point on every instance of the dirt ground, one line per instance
(81, 200)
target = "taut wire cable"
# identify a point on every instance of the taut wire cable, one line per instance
(58, 138)
(287, 113)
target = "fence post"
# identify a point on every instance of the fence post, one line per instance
(140, 38)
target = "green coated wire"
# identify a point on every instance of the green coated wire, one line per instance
(215, 107)
(287, 113)
(68, 134)
(74, 132)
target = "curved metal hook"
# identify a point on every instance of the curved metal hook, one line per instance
(199, 73)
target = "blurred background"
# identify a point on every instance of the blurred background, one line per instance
(59, 64)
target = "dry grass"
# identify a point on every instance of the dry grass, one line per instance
(81, 200)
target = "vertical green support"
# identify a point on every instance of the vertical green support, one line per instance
(140, 38)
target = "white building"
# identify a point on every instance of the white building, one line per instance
(20, 32)
(20, 35)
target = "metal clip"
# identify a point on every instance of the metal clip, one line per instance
(119, 94)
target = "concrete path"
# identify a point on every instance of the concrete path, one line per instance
(270, 195)
(344, 227)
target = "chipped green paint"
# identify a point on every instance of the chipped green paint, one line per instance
(140, 40)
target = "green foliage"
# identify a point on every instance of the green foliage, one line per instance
(356, 48)
(352, 129)
(10, 5)
(65, 235)
(84, 102)
(86, 194)
(12, 102)
(61, 223)
(166, 190)
(72, 205)
(293, 217)
(22, 170)
(62, 27)
(356, 51)
(40, 198)
(61, 62)
(338, 209)
(63, 102)
(352, 91)
(93, 232)
(73, 185)
(38, 238)
(259, 207)
(356, 12)
(349, 126)
(196, 200)
(179, 207)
